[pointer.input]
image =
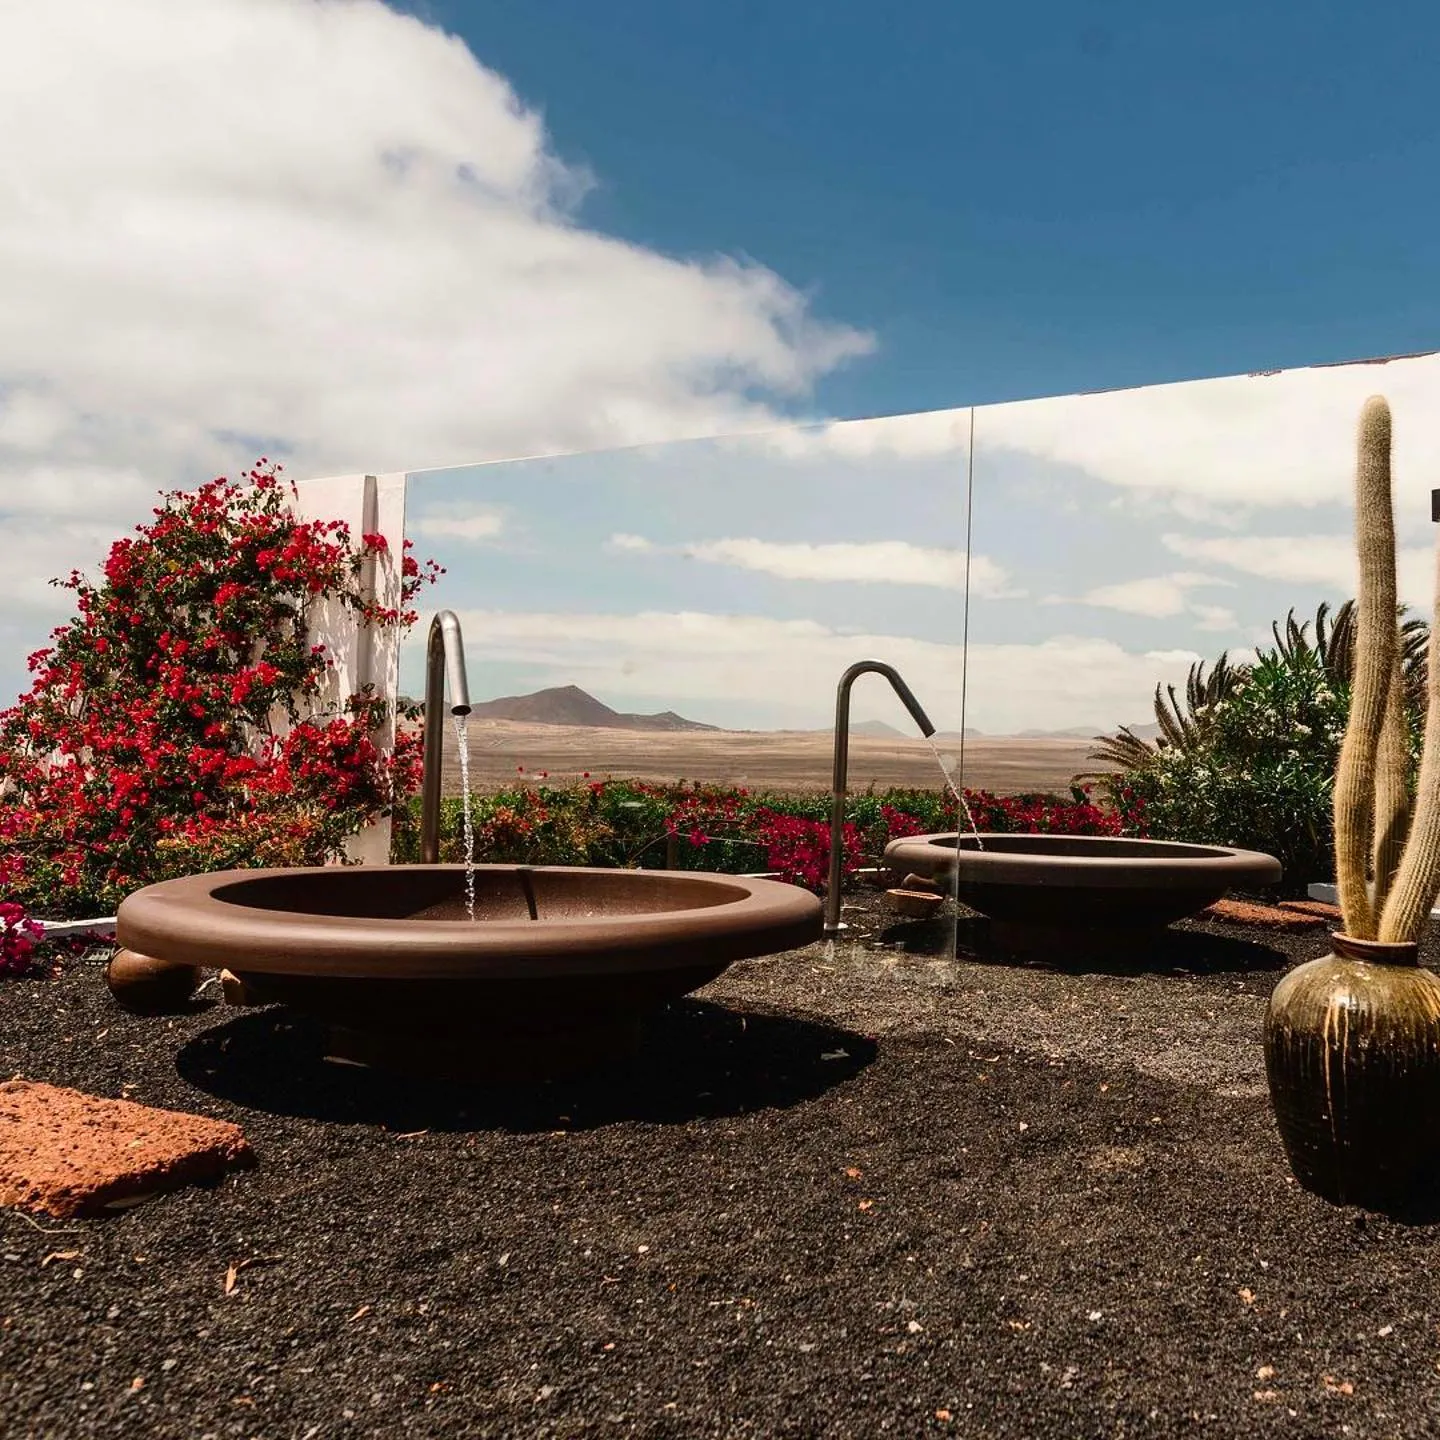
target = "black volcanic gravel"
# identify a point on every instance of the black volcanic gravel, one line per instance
(857, 1191)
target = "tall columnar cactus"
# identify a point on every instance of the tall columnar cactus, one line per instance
(1372, 809)
(1352, 1039)
(1392, 790)
(1417, 880)
(1376, 642)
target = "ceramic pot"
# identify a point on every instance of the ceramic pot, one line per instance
(1352, 1054)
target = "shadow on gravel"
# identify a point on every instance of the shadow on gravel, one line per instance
(1421, 1208)
(697, 1060)
(1166, 952)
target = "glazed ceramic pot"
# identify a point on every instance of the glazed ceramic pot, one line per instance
(1352, 1054)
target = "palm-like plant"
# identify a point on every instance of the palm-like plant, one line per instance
(1186, 727)
(1335, 646)
(1182, 727)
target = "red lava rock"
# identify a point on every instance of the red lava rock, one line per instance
(67, 1153)
(915, 903)
(1321, 908)
(1270, 917)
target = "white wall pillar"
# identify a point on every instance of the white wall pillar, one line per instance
(362, 655)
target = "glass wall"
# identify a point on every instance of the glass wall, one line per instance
(1128, 534)
(1109, 542)
(720, 585)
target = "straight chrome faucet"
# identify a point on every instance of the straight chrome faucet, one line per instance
(842, 764)
(444, 661)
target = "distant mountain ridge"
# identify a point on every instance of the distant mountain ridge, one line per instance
(879, 730)
(570, 705)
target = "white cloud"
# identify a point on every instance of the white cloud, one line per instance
(890, 562)
(636, 543)
(465, 525)
(787, 669)
(1161, 597)
(1214, 617)
(1300, 559)
(323, 228)
(907, 437)
(1234, 444)
(1211, 451)
(1158, 596)
(1324, 560)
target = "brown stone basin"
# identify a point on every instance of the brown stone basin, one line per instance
(555, 972)
(1035, 886)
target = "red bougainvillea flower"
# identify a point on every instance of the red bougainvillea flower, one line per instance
(20, 939)
(184, 720)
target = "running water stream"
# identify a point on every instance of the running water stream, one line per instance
(958, 794)
(462, 741)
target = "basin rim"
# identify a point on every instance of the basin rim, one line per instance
(185, 920)
(1206, 868)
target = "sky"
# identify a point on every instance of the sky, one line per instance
(363, 237)
(1023, 199)
(1110, 541)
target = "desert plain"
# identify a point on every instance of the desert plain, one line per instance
(776, 760)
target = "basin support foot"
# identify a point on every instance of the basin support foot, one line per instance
(145, 985)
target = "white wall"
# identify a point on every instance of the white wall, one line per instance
(362, 655)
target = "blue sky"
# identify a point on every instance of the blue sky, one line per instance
(367, 239)
(1018, 200)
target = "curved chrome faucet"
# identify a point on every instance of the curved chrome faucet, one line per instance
(842, 763)
(444, 661)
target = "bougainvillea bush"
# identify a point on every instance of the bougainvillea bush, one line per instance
(179, 721)
(30, 951)
(732, 831)
(20, 940)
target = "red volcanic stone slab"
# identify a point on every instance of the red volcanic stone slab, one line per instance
(1270, 917)
(917, 904)
(1313, 907)
(68, 1153)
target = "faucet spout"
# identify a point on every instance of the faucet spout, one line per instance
(444, 664)
(841, 768)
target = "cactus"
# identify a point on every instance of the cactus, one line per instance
(1352, 1039)
(1372, 809)
(1417, 879)
(1392, 789)
(1376, 642)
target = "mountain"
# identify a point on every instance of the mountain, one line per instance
(878, 729)
(1075, 732)
(570, 705)
(1086, 732)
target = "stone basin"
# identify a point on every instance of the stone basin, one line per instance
(555, 972)
(1046, 887)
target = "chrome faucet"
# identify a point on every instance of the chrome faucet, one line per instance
(444, 662)
(842, 764)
